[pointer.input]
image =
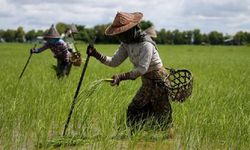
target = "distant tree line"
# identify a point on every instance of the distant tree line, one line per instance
(195, 37)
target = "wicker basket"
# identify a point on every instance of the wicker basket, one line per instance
(179, 84)
(76, 59)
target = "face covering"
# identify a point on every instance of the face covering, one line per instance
(134, 35)
(130, 36)
(53, 40)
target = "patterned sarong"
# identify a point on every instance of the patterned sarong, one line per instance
(151, 101)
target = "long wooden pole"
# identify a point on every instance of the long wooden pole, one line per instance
(76, 93)
(25, 66)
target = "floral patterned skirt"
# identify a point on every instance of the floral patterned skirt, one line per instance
(151, 102)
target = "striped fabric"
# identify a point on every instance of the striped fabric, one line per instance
(59, 49)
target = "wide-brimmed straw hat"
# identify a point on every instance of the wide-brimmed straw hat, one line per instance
(51, 33)
(123, 22)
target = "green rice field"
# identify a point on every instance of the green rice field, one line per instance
(33, 110)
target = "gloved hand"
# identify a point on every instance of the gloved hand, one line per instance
(91, 51)
(32, 50)
(116, 80)
(120, 77)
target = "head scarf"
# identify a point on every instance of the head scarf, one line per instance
(135, 35)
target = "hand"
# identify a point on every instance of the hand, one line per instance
(120, 77)
(32, 50)
(116, 80)
(91, 50)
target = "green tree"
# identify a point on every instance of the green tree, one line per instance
(178, 38)
(84, 34)
(240, 37)
(100, 33)
(31, 35)
(9, 35)
(247, 35)
(165, 37)
(40, 33)
(169, 38)
(91, 33)
(1, 33)
(161, 38)
(20, 35)
(187, 37)
(215, 38)
(205, 39)
(197, 37)
(61, 27)
(144, 24)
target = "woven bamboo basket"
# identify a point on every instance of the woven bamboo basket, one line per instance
(179, 84)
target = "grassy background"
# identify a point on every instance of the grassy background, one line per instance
(34, 110)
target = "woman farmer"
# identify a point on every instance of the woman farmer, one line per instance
(68, 37)
(60, 50)
(151, 100)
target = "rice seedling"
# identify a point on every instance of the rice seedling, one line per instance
(33, 112)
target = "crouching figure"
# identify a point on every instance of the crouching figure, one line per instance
(151, 100)
(60, 49)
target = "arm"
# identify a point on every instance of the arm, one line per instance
(39, 50)
(119, 56)
(145, 57)
(146, 54)
(114, 61)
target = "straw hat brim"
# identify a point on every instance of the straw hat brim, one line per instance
(114, 30)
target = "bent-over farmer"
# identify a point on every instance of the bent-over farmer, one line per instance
(151, 100)
(60, 50)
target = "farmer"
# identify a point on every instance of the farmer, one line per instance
(60, 50)
(68, 37)
(151, 100)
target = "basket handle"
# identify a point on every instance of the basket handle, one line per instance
(171, 70)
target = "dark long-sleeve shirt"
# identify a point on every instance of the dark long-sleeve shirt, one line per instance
(59, 49)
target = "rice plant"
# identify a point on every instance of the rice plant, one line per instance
(33, 110)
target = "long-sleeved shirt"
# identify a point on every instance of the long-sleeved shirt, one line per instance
(70, 42)
(59, 49)
(143, 55)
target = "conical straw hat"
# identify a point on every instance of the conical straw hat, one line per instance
(52, 33)
(73, 28)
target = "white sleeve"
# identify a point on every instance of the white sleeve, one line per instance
(119, 56)
(145, 56)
